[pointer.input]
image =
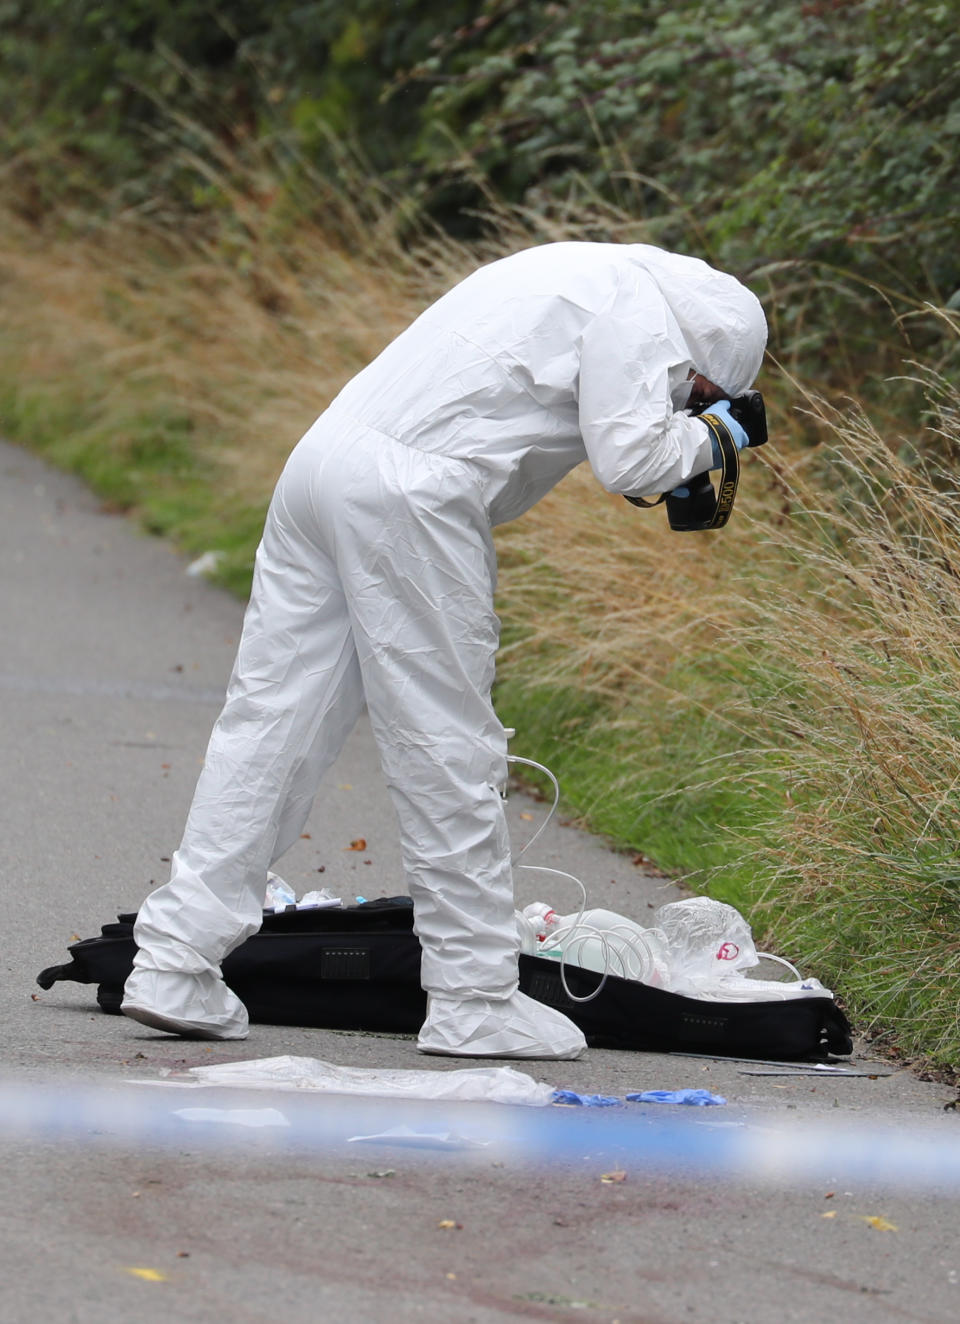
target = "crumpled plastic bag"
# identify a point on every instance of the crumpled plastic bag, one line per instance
(698, 947)
(706, 938)
(279, 896)
(469, 1084)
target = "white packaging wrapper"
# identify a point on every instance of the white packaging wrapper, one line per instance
(470, 1084)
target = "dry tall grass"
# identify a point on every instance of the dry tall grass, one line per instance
(820, 644)
(865, 628)
(251, 345)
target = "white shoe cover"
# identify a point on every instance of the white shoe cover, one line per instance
(516, 1026)
(195, 1006)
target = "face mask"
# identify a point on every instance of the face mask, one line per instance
(680, 395)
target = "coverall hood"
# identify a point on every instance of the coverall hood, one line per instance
(721, 320)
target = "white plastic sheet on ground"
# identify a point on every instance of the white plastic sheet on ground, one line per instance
(253, 1117)
(410, 1139)
(469, 1084)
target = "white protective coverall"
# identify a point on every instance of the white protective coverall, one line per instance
(374, 583)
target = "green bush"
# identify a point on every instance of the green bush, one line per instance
(821, 134)
(811, 148)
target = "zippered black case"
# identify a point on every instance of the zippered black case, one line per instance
(358, 968)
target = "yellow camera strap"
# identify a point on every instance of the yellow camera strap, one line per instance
(729, 470)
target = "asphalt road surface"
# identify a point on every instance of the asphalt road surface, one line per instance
(804, 1198)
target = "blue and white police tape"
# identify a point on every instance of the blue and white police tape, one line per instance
(914, 1151)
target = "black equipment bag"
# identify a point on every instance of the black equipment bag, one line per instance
(358, 968)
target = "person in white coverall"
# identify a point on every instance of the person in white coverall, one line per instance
(374, 583)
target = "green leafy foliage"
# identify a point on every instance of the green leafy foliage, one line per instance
(757, 134)
(812, 147)
(102, 92)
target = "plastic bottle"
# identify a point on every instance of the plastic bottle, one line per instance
(600, 940)
(529, 937)
(278, 895)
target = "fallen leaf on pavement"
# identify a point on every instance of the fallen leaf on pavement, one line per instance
(880, 1224)
(359, 844)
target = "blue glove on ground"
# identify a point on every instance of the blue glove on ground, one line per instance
(699, 1098)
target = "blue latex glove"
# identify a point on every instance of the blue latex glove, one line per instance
(738, 433)
(585, 1100)
(699, 1098)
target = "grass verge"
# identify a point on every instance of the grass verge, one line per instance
(775, 716)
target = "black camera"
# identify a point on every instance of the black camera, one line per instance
(705, 507)
(748, 409)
